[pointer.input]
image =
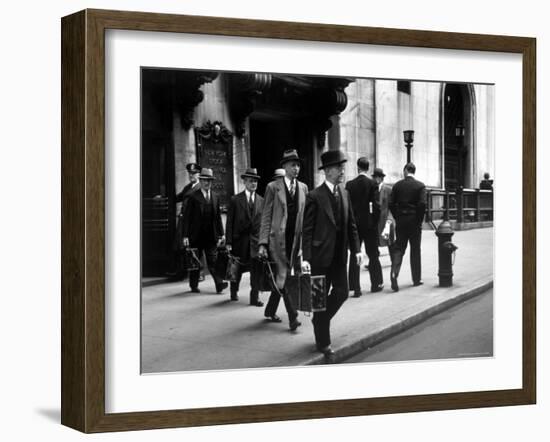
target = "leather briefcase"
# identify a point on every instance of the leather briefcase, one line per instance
(307, 293)
(191, 261)
(266, 275)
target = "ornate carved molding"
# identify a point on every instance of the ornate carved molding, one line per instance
(288, 95)
(246, 88)
(216, 132)
(188, 95)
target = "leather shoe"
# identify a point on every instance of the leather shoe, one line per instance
(257, 303)
(377, 288)
(221, 287)
(294, 324)
(195, 290)
(274, 318)
(417, 283)
(234, 297)
(357, 294)
(394, 285)
(327, 350)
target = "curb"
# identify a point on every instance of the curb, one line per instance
(350, 349)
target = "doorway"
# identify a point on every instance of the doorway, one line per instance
(457, 140)
(269, 138)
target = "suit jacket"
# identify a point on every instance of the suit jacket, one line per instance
(319, 241)
(192, 218)
(408, 200)
(362, 192)
(242, 230)
(272, 231)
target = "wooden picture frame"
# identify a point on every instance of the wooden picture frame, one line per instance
(83, 220)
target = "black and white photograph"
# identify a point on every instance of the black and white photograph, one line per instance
(295, 220)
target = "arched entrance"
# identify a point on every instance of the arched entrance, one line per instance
(458, 121)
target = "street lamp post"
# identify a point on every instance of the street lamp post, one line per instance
(408, 137)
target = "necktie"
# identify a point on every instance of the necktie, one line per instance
(292, 188)
(336, 194)
(250, 205)
(208, 197)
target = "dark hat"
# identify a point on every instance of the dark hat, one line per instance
(363, 163)
(332, 158)
(251, 173)
(206, 174)
(290, 155)
(193, 168)
(378, 172)
(279, 173)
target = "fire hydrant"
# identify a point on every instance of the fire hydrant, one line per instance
(446, 250)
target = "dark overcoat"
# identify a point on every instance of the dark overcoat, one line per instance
(193, 219)
(408, 200)
(319, 243)
(182, 198)
(362, 193)
(242, 230)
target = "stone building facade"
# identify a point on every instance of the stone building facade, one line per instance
(231, 121)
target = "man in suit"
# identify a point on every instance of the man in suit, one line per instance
(362, 192)
(176, 265)
(242, 229)
(329, 231)
(407, 205)
(281, 232)
(386, 224)
(202, 227)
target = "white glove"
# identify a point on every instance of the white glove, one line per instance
(306, 268)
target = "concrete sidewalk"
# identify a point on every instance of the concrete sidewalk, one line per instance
(184, 331)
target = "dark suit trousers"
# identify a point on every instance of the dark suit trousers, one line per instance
(210, 252)
(273, 304)
(336, 278)
(407, 230)
(375, 269)
(254, 267)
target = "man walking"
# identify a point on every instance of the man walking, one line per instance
(202, 227)
(329, 231)
(176, 266)
(244, 218)
(386, 225)
(407, 205)
(281, 232)
(363, 195)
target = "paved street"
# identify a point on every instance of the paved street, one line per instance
(463, 331)
(187, 331)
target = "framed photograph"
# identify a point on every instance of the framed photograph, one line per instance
(242, 201)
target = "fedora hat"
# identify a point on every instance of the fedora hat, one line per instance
(206, 174)
(251, 173)
(193, 168)
(378, 172)
(332, 158)
(290, 155)
(279, 173)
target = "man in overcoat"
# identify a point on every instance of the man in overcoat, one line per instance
(242, 229)
(362, 191)
(407, 205)
(177, 270)
(281, 232)
(329, 232)
(386, 223)
(202, 227)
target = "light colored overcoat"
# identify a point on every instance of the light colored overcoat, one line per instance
(272, 231)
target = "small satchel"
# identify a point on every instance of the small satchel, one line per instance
(266, 275)
(191, 261)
